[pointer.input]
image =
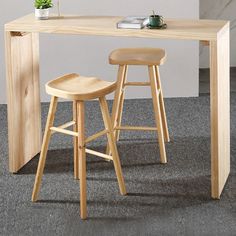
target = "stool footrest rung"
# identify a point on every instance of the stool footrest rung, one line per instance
(138, 128)
(137, 84)
(66, 125)
(64, 131)
(95, 153)
(95, 136)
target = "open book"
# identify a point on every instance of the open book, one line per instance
(133, 22)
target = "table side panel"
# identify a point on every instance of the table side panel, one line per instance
(24, 113)
(220, 112)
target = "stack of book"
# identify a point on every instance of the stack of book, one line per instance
(133, 22)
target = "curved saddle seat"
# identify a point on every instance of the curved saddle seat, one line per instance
(76, 87)
(137, 56)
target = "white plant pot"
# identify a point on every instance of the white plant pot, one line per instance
(42, 14)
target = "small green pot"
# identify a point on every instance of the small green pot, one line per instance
(156, 20)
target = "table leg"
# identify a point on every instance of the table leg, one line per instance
(220, 112)
(24, 112)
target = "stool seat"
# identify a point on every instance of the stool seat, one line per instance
(137, 56)
(76, 87)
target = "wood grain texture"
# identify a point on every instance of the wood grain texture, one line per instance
(106, 25)
(220, 112)
(24, 111)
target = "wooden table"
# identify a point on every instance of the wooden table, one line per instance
(22, 63)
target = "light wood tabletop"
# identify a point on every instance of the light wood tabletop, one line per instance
(106, 25)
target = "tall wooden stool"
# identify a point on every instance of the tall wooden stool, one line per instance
(151, 57)
(79, 89)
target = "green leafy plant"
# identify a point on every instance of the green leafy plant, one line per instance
(43, 4)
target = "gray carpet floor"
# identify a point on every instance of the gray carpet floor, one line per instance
(170, 199)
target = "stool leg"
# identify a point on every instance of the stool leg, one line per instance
(75, 128)
(112, 144)
(117, 98)
(82, 159)
(121, 105)
(162, 106)
(157, 112)
(43, 154)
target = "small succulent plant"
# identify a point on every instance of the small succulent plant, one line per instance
(43, 4)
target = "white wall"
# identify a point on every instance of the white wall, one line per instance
(87, 55)
(219, 9)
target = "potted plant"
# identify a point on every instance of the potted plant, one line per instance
(42, 9)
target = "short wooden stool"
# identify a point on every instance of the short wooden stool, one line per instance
(151, 57)
(79, 89)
